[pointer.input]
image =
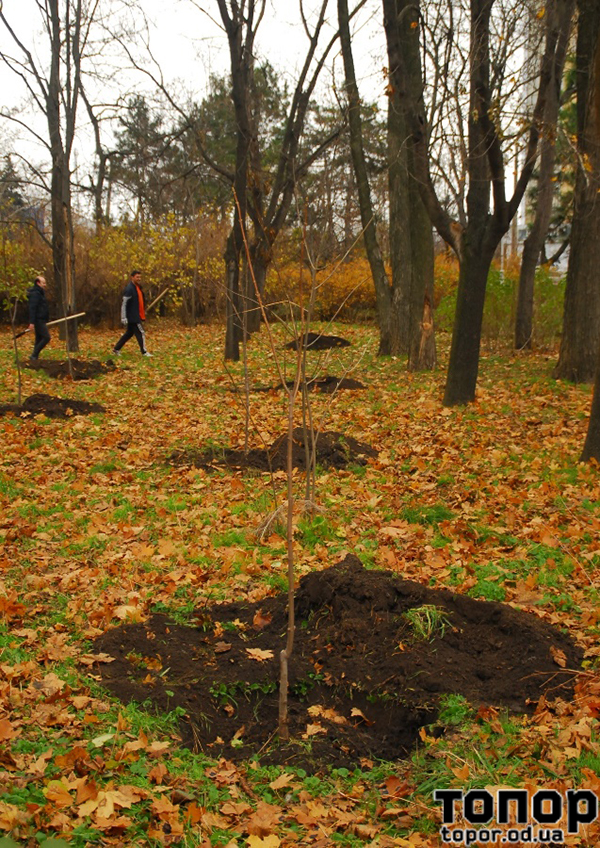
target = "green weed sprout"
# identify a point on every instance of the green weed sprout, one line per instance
(427, 622)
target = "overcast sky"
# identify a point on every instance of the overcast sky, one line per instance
(189, 45)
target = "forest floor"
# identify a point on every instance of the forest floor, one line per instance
(447, 578)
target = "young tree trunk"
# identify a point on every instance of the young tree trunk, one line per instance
(233, 328)
(367, 216)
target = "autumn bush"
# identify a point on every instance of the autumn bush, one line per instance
(501, 299)
(23, 255)
(185, 257)
(344, 289)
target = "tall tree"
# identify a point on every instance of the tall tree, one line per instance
(55, 88)
(581, 323)
(476, 233)
(591, 448)
(378, 271)
(262, 195)
(411, 236)
(534, 243)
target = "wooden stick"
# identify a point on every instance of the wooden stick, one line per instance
(50, 323)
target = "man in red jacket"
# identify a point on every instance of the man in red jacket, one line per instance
(133, 314)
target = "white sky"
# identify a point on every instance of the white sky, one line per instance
(189, 44)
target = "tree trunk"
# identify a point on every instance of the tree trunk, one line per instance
(534, 242)
(466, 337)
(421, 356)
(380, 278)
(233, 329)
(255, 282)
(591, 447)
(411, 234)
(400, 228)
(581, 324)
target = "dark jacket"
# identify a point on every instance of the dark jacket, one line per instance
(38, 305)
(130, 309)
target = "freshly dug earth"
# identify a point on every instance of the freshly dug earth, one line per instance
(317, 341)
(327, 384)
(330, 384)
(52, 407)
(82, 369)
(362, 682)
(334, 450)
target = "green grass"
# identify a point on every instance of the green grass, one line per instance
(427, 622)
(431, 515)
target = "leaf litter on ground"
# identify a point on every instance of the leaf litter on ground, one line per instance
(488, 501)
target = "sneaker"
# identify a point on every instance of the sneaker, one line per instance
(116, 353)
(147, 354)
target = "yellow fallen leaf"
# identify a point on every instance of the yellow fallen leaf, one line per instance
(258, 654)
(282, 781)
(313, 729)
(270, 841)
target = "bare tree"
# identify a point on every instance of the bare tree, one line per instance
(55, 90)
(265, 197)
(411, 236)
(475, 232)
(581, 324)
(380, 277)
(534, 242)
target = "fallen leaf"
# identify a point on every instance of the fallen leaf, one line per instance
(258, 654)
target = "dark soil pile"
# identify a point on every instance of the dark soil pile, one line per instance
(334, 450)
(327, 384)
(330, 384)
(317, 341)
(52, 407)
(362, 682)
(82, 369)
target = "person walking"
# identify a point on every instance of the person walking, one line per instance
(38, 316)
(133, 314)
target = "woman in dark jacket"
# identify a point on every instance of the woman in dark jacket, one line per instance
(38, 315)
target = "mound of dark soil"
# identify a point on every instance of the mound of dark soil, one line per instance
(82, 369)
(334, 450)
(52, 407)
(362, 682)
(328, 385)
(317, 341)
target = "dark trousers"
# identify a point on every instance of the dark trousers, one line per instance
(136, 330)
(42, 337)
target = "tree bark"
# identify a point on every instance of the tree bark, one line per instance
(476, 238)
(411, 235)
(63, 258)
(534, 242)
(591, 447)
(581, 323)
(466, 337)
(367, 216)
